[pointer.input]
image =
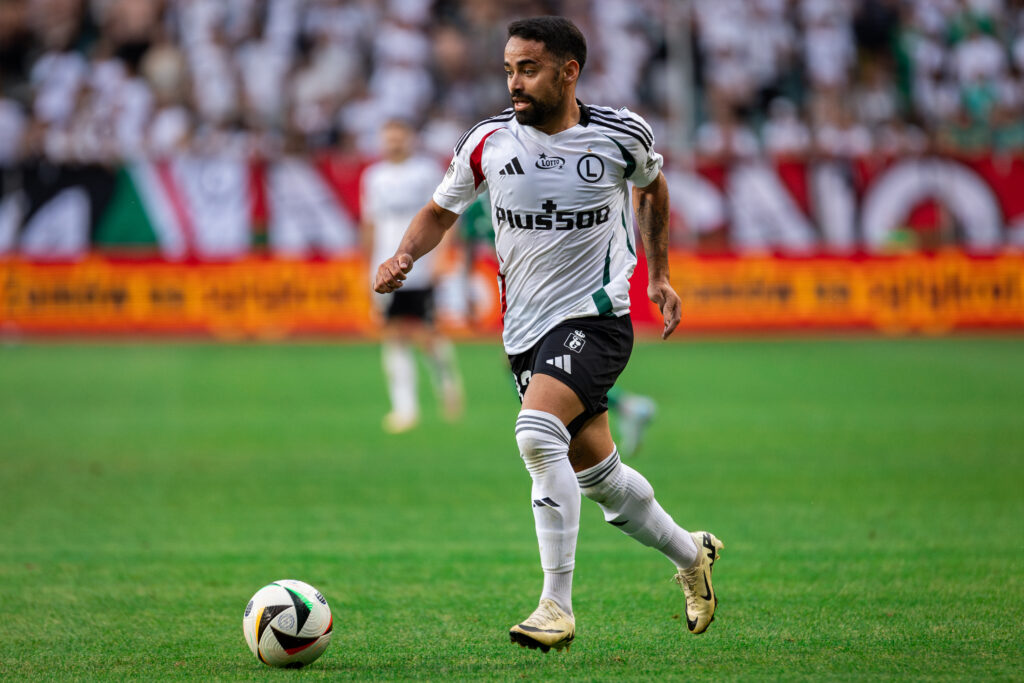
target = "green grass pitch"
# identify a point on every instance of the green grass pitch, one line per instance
(870, 494)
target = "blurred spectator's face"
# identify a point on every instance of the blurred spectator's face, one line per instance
(56, 21)
(13, 18)
(534, 81)
(396, 140)
(450, 51)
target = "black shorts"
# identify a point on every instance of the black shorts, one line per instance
(586, 354)
(417, 304)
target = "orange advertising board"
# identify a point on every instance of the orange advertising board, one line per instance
(275, 298)
(246, 298)
(918, 293)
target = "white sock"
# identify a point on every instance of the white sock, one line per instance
(544, 445)
(400, 368)
(441, 354)
(445, 371)
(558, 587)
(627, 500)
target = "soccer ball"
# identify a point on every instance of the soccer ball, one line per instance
(287, 624)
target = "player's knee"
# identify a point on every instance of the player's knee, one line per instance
(541, 437)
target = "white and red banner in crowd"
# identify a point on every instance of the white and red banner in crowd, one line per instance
(850, 206)
(236, 247)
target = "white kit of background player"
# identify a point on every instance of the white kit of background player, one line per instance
(392, 191)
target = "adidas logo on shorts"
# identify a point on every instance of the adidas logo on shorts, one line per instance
(562, 363)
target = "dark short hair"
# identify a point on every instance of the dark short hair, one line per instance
(559, 36)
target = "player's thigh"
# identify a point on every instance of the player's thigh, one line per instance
(553, 396)
(592, 444)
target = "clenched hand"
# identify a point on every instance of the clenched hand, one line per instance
(391, 273)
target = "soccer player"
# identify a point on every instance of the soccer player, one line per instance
(558, 172)
(393, 189)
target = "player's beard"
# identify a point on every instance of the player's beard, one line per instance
(539, 112)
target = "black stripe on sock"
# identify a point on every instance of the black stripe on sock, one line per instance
(553, 423)
(595, 478)
(541, 426)
(544, 430)
(527, 422)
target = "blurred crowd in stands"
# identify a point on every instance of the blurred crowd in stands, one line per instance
(110, 80)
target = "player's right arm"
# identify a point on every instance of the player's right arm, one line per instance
(424, 233)
(462, 182)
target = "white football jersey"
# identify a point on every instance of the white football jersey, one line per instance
(561, 212)
(392, 193)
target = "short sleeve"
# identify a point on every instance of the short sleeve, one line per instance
(462, 183)
(640, 143)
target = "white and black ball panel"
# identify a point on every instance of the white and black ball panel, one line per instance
(287, 623)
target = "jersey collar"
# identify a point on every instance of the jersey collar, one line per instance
(584, 114)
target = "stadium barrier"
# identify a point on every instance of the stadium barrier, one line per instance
(233, 248)
(274, 298)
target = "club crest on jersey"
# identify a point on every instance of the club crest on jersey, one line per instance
(575, 341)
(590, 168)
(546, 162)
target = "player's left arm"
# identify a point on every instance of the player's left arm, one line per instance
(651, 206)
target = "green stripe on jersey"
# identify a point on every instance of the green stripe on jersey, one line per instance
(603, 302)
(607, 265)
(626, 157)
(629, 242)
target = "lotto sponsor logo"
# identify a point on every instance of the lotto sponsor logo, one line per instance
(545, 162)
(550, 218)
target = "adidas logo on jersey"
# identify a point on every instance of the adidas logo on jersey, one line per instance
(512, 168)
(562, 363)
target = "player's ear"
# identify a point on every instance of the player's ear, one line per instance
(571, 71)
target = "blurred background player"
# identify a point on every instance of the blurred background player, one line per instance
(632, 414)
(393, 189)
